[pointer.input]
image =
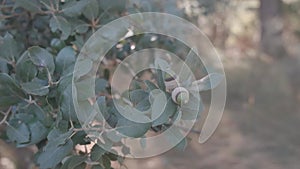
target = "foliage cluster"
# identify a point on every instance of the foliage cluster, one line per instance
(39, 44)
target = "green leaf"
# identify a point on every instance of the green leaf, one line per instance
(75, 161)
(158, 105)
(36, 110)
(193, 108)
(84, 67)
(86, 113)
(81, 166)
(22, 117)
(125, 150)
(42, 58)
(175, 119)
(67, 106)
(100, 85)
(175, 137)
(79, 138)
(132, 129)
(25, 69)
(38, 132)
(134, 114)
(65, 163)
(58, 137)
(58, 147)
(60, 23)
(97, 152)
(91, 11)
(150, 85)
(10, 49)
(112, 155)
(11, 93)
(113, 5)
(79, 41)
(36, 87)
(3, 67)
(102, 105)
(162, 66)
(189, 65)
(114, 136)
(62, 125)
(57, 44)
(136, 96)
(53, 155)
(160, 80)
(18, 132)
(84, 89)
(30, 5)
(168, 111)
(49, 4)
(135, 85)
(97, 167)
(143, 142)
(107, 145)
(79, 26)
(210, 81)
(143, 105)
(74, 8)
(64, 83)
(65, 58)
(106, 162)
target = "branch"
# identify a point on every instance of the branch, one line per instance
(188, 130)
(86, 129)
(5, 115)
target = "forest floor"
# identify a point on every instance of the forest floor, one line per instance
(259, 128)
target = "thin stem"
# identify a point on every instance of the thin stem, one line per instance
(30, 100)
(5, 116)
(72, 124)
(190, 130)
(84, 129)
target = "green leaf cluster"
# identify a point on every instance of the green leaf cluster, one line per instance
(39, 44)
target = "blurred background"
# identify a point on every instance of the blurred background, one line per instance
(259, 44)
(258, 41)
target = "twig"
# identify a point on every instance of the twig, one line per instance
(184, 128)
(87, 129)
(5, 116)
(189, 130)
(7, 16)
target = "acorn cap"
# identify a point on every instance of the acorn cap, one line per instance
(171, 81)
(169, 77)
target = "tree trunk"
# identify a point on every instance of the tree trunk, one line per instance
(271, 28)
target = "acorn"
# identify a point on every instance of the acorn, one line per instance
(180, 95)
(170, 82)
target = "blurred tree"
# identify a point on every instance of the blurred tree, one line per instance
(271, 28)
